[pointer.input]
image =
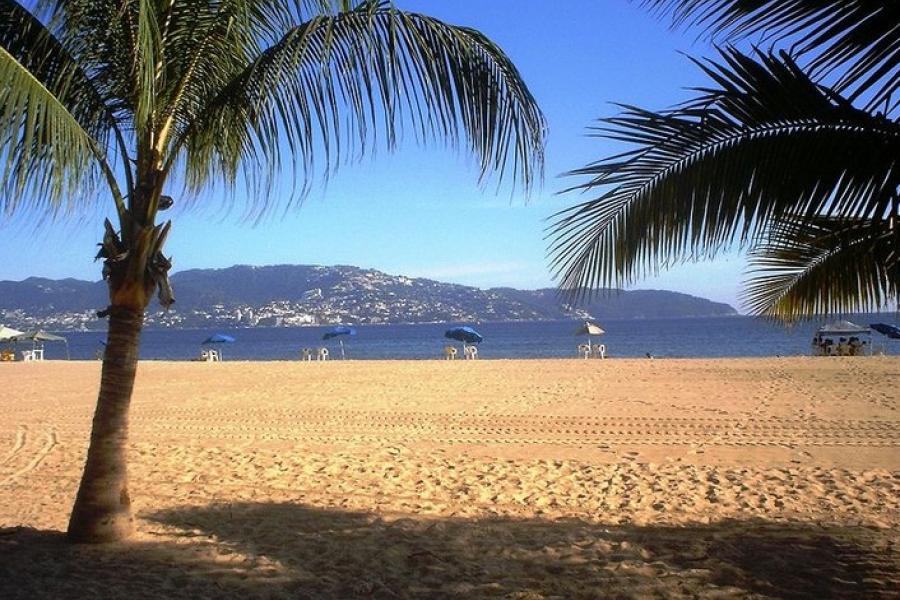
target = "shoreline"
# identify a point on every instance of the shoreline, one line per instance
(550, 360)
(666, 338)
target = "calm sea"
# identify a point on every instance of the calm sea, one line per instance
(701, 337)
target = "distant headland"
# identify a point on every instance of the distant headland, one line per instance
(299, 295)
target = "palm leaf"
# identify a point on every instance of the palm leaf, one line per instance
(214, 88)
(101, 37)
(337, 83)
(859, 40)
(826, 265)
(765, 144)
(54, 126)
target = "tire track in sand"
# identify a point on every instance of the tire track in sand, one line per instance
(51, 440)
(21, 438)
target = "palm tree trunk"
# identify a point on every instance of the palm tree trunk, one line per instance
(102, 511)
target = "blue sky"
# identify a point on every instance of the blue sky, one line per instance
(420, 211)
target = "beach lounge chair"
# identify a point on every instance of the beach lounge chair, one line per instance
(322, 354)
(584, 350)
(210, 356)
(33, 355)
(450, 352)
(306, 354)
(471, 352)
(599, 350)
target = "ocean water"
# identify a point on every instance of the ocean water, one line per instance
(673, 338)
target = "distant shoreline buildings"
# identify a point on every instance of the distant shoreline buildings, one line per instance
(300, 296)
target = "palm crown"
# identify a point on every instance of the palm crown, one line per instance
(769, 157)
(128, 93)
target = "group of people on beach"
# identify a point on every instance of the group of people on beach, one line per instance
(844, 347)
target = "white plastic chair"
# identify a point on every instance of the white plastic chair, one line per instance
(599, 351)
(322, 354)
(27, 355)
(584, 350)
(306, 354)
(214, 356)
(450, 353)
(471, 352)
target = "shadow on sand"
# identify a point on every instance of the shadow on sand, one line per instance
(271, 550)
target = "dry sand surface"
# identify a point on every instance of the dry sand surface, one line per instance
(509, 479)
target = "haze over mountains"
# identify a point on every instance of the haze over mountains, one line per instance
(296, 295)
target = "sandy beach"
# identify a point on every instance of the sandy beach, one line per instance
(533, 479)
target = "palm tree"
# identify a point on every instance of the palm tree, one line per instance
(138, 97)
(793, 155)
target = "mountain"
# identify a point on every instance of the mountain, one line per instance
(294, 295)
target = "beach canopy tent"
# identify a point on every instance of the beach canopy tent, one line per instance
(338, 331)
(6, 333)
(39, 337)
(830, 338)
(892, 331)
(842, 328)
(464, 334)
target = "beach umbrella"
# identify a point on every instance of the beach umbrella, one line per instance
(40, 336)
(892, 331)
(464, 334)
(337, 332)
(8, 332)
(218, 338)
(589, 329)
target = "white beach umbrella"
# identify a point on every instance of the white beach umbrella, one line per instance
(589, 329)
(7, 333)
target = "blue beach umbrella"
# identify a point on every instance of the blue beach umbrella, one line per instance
(464, 334)
(892, 331)
(218, 338)
(337, 332)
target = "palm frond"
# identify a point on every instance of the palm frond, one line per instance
(101, 37)
(337, 83)
(826, 265)
(766, 143)
(857, 39)
(54, 127)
